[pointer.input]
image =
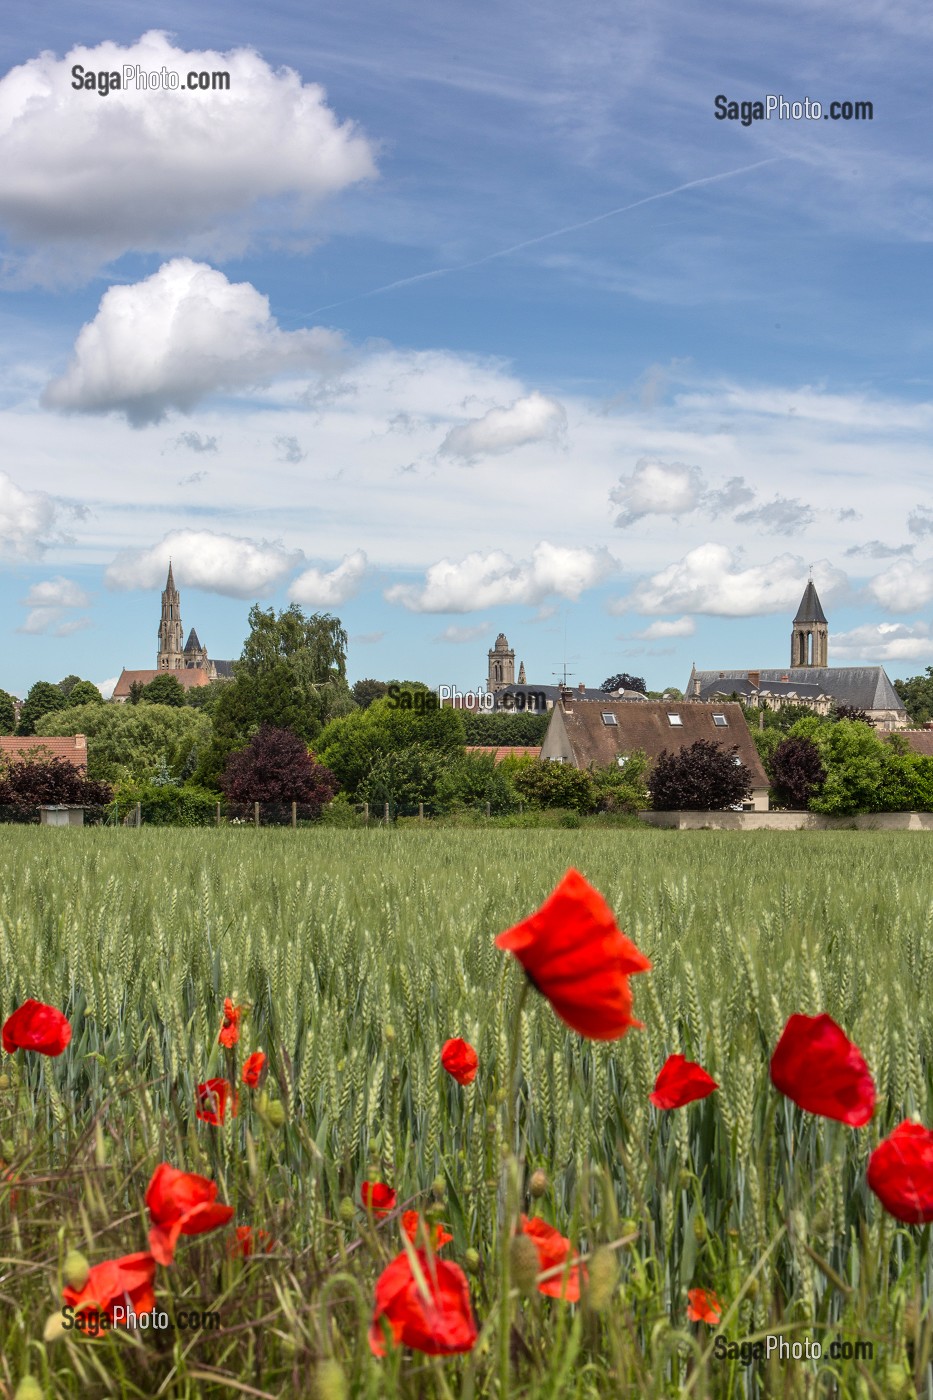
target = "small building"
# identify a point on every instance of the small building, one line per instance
(585, 734)
(45, 746)
(58, 814)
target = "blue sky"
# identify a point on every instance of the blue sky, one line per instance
(453, 321)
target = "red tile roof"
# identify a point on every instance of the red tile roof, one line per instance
(506, 750)
(187, 678)
(70, 746)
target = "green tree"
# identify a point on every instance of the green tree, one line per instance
(917, 695)
(272, 696)
(67, 685)
(164, 689)
(84, 693)
(364, 692)
(513, 728)
(404, 778)
(128, 742)
(855, 760)
(44, 698)
(350, 746)
(472, 781)
(7, 713)
(622, 786)
(316, 646)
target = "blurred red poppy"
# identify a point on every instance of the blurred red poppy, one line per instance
(703, 1306)
(435, 1317)
(253, 1067)
(35, 1026)
(680, 1082)
(212, 1101)
(125, 1282)
(247, 1241)
(460, 1060)
(822, 1071)
(378, 1198)
(433, 1231)
(181, 1203)
(900, 1172)
(553, 1250)
(230, 1030)
(576, 955)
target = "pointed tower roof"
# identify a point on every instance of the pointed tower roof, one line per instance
(810, 609)
(194, 642)
(170, 582)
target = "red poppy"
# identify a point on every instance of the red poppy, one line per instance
(818, 1067)
(460, 1060)
(553, 1250)
(900, 1172)
(35, 1026)
(253, 1067)
(435, 1232)
(248, 1241)
(125, 1282)
(230, 1030)
(378, 1198)
(576, 955)
(703, 1306)
(436, 1318)
(181, 1203)
(212, 1101)
(681, 1081)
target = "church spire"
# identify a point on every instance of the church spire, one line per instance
(809, 640)
(171, 653)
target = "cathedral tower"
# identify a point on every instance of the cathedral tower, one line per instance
(809, 641)
(171, 650)
(501, 664)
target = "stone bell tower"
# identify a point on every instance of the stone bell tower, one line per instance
(501, 664)
(809, 641)
(171, 647)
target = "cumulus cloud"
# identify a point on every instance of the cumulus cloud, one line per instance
(196, 443)
(673, 627)
(920, 521)
(533, 418)
(107, 687)
(711, 580)
(52, 621)
(317, 588)
(874, 549)
(181, 334)
(27, 521)
(159, 170)
(673, 488)
(906, 585)
(227, 564)
(482, 581)
(56, 592)
(782, 516)
(885, 641)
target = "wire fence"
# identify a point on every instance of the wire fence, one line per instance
(239, 814)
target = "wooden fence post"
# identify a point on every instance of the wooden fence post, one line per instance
(217, 814)
(366, 813)
(139, 814)
(421, 811)
(255, 814)
(385, 814)
(294, 815)
(487, 810)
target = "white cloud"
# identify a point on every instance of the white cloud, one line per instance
(236, 567)
(533, 418)
(876, 549)
(56, 593)
(885, 641)
(781, 516)
(676, 627)
(181, 334)
(460, 635)
(316, 588)
(94, 177)
(106, 687)
(657, 488)
(27, 521)
(906, 585)
(920, 521)
(52, 621)
(495, 579)
(710, 580)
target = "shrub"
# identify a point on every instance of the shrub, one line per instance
(797, 772)
(621, 787)
(543, 783)
(276, 766)
(37, 781)
(702, 778)
(168, 805)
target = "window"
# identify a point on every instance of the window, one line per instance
(720, 721)
(737, 761)
(675, 721)
(609, 718)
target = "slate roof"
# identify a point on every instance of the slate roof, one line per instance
(864, 687)
(223, 668)
(194, 642)
(806, 690)
(70, 746)
(648, 727)
(552, 694)
(810, 609)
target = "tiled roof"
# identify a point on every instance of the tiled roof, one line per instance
(919, 740)
(189, 678)
(70, 746)
(502, 751)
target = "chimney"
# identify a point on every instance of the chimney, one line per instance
(582, 688)
(754, 679)
(785, 677)
(80, 741)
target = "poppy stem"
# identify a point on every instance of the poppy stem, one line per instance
(510, 1168)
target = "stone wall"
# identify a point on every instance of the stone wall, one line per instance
(789, 821)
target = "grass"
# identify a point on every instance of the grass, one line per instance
(358, 954)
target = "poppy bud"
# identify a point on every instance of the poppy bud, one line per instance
(29, 1389)
(538, 1184)
(629, 1227)
(389, 1033)
(686, 1177)
(346, 1210)
(329, 1381)
(75, 1270)
(439, 1187)
(700, 1231)
(751, 1288)
(603, 1276)
(4, 1081)
(490, 1113)
(275, 1114)
(523, 1262)
(436, 1210)
(471, 1261)
(897, 1380)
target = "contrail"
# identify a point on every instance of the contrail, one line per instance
(544, 237)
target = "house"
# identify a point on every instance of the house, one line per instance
(70, 746)
(188, 679)
(584, 734)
